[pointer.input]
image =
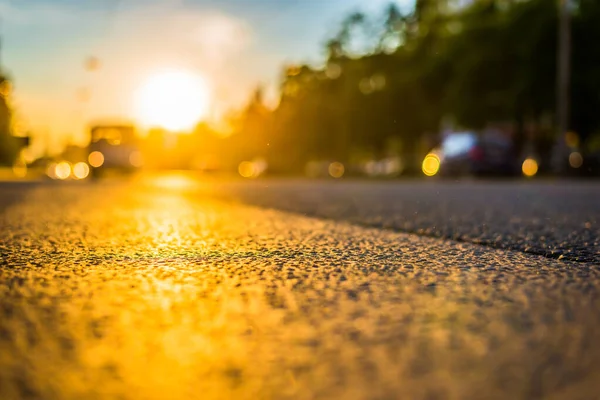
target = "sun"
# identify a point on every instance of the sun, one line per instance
(174, 100)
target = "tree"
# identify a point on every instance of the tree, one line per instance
(9, 145)
(398, 77)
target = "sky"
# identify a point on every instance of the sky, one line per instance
(233, 44)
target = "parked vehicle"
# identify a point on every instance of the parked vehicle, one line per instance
(471, 154)
(113, 147)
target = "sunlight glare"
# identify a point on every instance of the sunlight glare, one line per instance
(174, 181)
(174, 100)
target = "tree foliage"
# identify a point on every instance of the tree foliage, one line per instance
(489, 62)
(9, 146)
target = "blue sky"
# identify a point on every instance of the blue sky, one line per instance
(234, 44)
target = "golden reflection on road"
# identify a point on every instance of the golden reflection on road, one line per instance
(172, 181)
(157, 291)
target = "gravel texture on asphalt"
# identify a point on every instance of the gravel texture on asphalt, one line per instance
(555, 219)
(156, 291)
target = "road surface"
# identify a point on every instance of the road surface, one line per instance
(555, 219)
(174, 288)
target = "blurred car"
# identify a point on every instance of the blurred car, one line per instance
(470, 154)
(113, 147)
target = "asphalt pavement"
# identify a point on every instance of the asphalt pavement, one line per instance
(556, 219)
(175, 288)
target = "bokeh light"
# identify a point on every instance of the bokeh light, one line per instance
(260, 166)
(387, 167)
(572, 139)
(92, 63)
(19, 169)
(378, 81)
(333, 71)
(51, 171)
(135, 159)
(529, 167)
(96, 159)
(246, 169)
(252, 169)
(575, 159)
(29, 155)
(431, 164)
(81, 170)
(62, 170)
(371, 84)
(366, 86)
(336, 169)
